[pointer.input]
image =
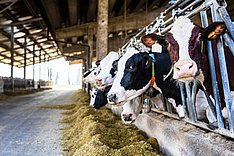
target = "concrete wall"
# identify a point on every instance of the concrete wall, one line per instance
(177, 138)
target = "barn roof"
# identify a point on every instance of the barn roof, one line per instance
(54, 28)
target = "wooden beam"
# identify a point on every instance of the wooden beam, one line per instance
(133, 21)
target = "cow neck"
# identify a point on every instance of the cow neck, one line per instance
(152, 81)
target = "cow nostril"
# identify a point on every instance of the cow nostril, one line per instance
(177, 68)
(127, 117)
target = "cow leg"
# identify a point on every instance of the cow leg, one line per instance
(179, 108)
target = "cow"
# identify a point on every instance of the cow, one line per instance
(189, 57)
(135, 73)
(106, 75)
(132, 108)
(100, 98)
(89, 76)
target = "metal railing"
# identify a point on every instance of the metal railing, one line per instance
(218, 12)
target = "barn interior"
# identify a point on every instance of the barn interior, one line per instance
(36, 32)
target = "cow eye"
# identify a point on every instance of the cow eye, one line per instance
(131, 67)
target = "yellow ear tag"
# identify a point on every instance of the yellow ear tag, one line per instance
(211, 34)
(147, 62)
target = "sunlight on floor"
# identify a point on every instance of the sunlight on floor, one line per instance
(66, 87)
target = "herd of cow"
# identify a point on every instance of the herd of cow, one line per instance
(126, 80)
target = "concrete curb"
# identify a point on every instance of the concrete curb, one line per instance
(177, 138)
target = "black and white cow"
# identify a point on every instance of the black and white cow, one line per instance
(135, 73)
(132, 108)
(106, 75)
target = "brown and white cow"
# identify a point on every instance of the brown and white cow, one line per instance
(189, 55)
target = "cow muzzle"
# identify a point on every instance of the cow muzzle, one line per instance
(127, 118)
(185, 70)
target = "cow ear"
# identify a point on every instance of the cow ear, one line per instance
(97, 62)
(147, 60)
(214, 30)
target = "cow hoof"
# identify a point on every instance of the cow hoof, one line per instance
(213, 125)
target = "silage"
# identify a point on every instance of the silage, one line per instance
(91, 132)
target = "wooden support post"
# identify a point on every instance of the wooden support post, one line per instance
(102, 29)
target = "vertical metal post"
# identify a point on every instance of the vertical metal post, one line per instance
(225, 83)
(204, 21)
(44, 67)
(39, 85)
(12, 59)
(25, 57)
(191, 108)
(34, 66)
(229, 42)
(223, 70)
(181, 84)
(226, 18)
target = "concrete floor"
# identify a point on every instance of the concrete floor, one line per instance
(28, 130)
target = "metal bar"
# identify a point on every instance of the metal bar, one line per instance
(193, 98)
(226, 18)
(229, 42)
(181, 84)
(22, 22)
(223, 69)
(204, 21)
(12, 59)
(191, 109)
(168, 105)
(199, 124)
(225, 83)
(204, 6)
(39, 85)
(25, 62)
(172, 7)
(44, 75)
(7, 1)
(181, 11)
(33, 66)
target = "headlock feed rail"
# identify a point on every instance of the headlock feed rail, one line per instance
(199, 11)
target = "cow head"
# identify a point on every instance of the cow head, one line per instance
(89, 77)
(131, 110)
(132, 78)
(106, 77)
(100, 99)
(185, 47)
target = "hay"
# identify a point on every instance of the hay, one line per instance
(91, 132)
